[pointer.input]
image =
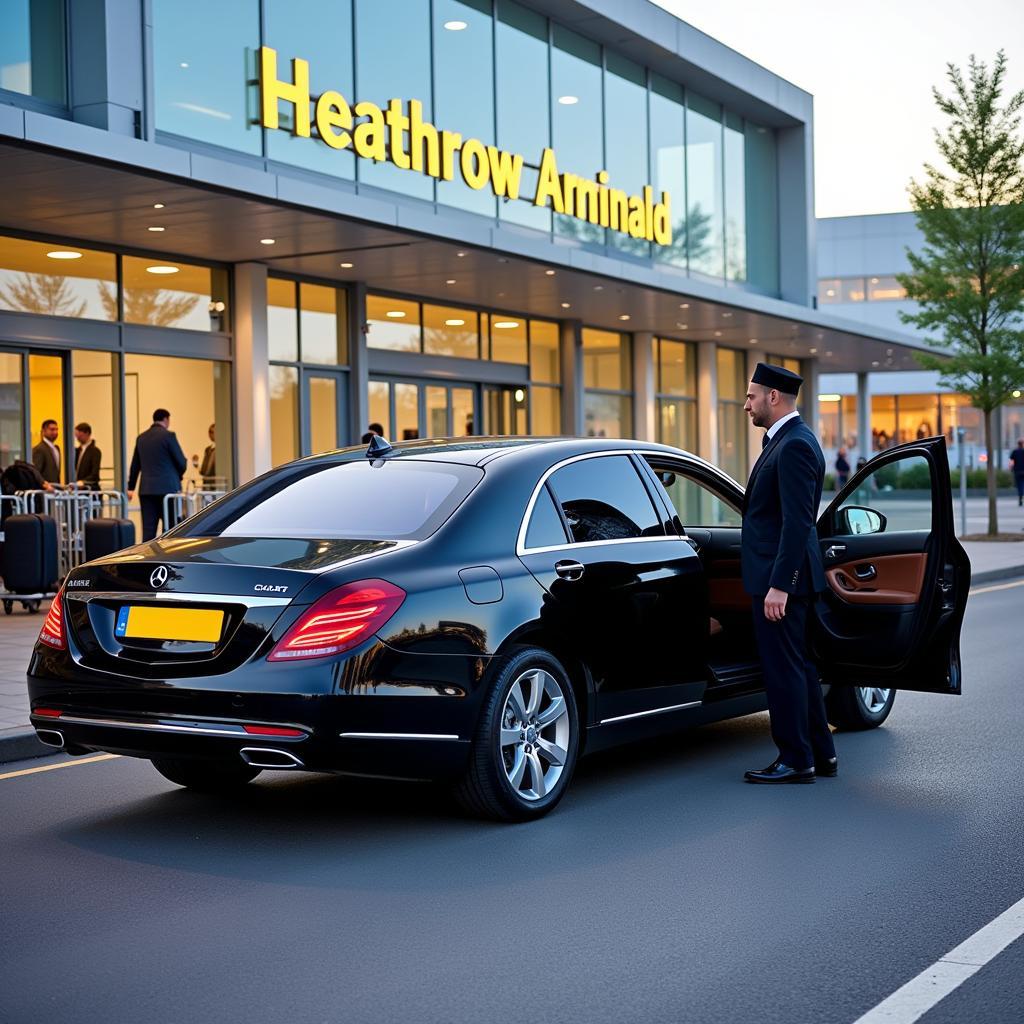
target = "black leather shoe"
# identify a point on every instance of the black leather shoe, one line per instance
(777, 773)
(828, 769)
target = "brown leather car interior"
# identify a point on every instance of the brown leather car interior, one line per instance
(886, 579)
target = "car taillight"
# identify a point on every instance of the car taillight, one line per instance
(340, 620)
(52, 633)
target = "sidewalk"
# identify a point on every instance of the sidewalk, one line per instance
(990, 561)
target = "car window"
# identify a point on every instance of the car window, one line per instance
(900, 495)
(545, 529)
(604, 498)
(695, 503)
(382, 500)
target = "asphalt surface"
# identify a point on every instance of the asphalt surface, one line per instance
(662, 889)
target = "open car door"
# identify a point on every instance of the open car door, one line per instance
(897, 576)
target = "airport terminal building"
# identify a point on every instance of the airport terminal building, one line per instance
(291, 218)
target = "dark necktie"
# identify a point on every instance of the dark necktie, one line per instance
(764, 441)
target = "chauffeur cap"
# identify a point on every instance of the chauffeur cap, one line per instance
(778, 377)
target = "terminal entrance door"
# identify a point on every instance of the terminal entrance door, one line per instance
(408, 409)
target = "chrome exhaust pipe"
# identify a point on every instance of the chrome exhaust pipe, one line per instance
(51, 737)
(269, 757)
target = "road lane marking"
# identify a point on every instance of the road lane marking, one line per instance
(949, 972)
(63, 764)
(998, 586)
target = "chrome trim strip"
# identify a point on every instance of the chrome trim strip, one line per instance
(397, 736)
(522, 549)
(653, 711)
(117, 595)
(202, 730)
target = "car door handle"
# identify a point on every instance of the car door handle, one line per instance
(834, 550)
(569, 570)
(865, 572)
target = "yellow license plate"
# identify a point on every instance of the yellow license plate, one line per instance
(202, 624)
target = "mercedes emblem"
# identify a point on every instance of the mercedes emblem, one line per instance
(158, 577)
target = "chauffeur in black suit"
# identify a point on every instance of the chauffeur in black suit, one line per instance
(159, 458)
(782, 571)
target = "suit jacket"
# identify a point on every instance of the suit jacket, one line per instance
(43, 459)
(161, 461)
(208, 468)
(87, 464)
(780, 509)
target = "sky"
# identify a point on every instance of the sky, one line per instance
(870, 67)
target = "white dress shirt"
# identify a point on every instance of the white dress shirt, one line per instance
(777, 425)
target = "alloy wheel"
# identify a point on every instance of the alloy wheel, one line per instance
(535, 734)
(874, 698)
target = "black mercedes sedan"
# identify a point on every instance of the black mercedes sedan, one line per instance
(482, 611)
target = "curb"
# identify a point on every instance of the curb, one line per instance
(1008, 572)
(21, 743)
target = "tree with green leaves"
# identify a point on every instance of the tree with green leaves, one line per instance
(968, 279)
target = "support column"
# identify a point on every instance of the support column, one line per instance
(863, 416)
(754, 434)
(645, 427)
(809, 394)
(707, 401)
(359, 374)
(252, 371)
(571, 336)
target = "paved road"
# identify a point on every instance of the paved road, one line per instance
(663, 889)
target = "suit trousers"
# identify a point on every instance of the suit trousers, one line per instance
(152, 506)
(795, 703)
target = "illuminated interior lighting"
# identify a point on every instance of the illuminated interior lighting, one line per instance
(267, 241)
(460, 254)
(451, 280)
(813, 351)
(568, 101)
(154, 229)
(718, 334)
(682, 326)
(346, 266)
(455, 26)
(454, 323)
(162, 269)
(520, 394)
(829, 398)
(753, 341)
(684, 305)
(566, 305)
(64, 254)
(623, 316)
(158, 206)
(505, 324)
(727, 314)
(395, 314)
(550, 273)
(598, 287)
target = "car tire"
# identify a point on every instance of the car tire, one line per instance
(529, 722)
(858, 707)
(203, 775)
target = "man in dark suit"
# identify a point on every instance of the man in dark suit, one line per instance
(162, 463)
(87, 458)
(208, 469)
(46, 454)
(783, 572)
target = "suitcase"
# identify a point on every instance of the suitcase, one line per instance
(105, 536)
(30, 554)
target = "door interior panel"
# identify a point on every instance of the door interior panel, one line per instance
(886, 579)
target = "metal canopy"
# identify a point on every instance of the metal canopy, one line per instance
(50, 194)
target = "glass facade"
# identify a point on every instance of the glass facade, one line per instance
(608, 383)
(881, 288)
(167, 293)
(732, 420)
(33, 52)
(676, 393)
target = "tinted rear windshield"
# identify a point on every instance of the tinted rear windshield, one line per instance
(386, 500)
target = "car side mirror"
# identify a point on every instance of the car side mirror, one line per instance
(854, 520)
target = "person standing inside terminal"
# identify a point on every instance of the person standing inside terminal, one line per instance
(87, 458)
(46, 454)
(208, 469)
(782, 571)
(162, 463)
(1017, 465)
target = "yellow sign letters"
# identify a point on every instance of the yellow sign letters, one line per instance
(399, 134)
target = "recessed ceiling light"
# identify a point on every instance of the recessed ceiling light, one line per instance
(727, 314)
(454, 323)
(829, 352)
(550, 273)
(455, 26)
(451, 280)
(154, 229)
(158, 206)
(505, 324)
(623, 316)
(874, 362)
(718, 334)
(682, 326)
(64, 254)
(753, 341)
(566, 305)
(598, 287)
(267, 241)
(395, 314)
(346, 266)
(503, 259)
(568, 101)
(162, 269)
(813, 351)
(460, 254)
(684, 305)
